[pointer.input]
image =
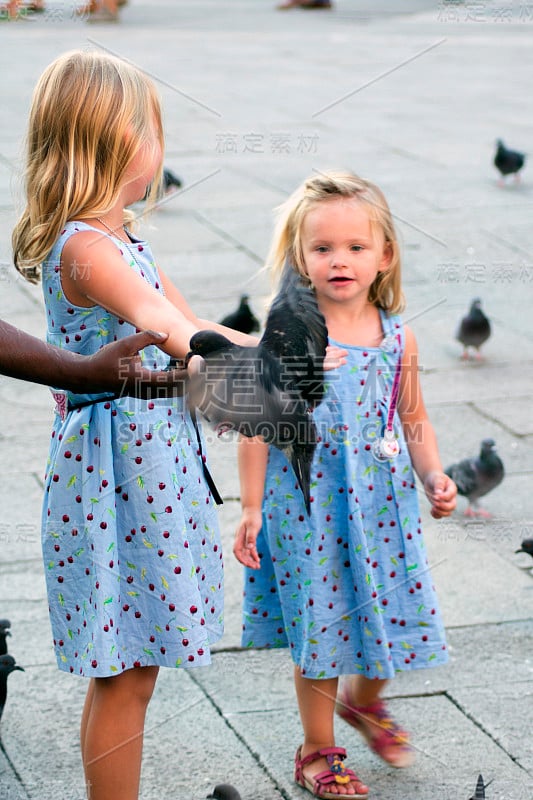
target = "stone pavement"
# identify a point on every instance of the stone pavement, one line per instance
(411, 94)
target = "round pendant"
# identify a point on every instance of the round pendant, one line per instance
(386, 447)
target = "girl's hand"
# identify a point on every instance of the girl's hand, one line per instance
(335, 357)
(441, 492)
(244, 548)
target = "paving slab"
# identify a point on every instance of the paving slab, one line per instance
(182, 727)
(443, 735)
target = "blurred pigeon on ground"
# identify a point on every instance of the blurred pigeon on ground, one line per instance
(224, 791)
(268, 390)
(243, 318)
(526, 547)
(5, 624)
(7, 666)
(474, 329)
(508, 162)
(171, 182)
(476, 477)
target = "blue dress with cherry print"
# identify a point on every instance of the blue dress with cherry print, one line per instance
(347, 589)
(130, 537)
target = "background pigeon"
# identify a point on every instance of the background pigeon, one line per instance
(508, 162)
(242, 319)
(267, 390)
(526, 547)
(474, 329)
(171, 182)
(479, 793)
(7, 666)
(5, 624)
(224, 791)
(476, 477)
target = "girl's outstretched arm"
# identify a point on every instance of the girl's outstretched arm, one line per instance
(93, 272)
(252, 456)
(420, 436)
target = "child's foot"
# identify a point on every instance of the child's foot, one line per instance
(381, 731)
(322, 772)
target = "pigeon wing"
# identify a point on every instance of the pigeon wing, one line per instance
(296, 333)
(490, 473)
(236, 389)
(464, 475)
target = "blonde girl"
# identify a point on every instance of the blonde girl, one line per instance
(347, 588)
(130, 537)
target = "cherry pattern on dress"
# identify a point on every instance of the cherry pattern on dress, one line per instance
(131, 545)
(347, 589)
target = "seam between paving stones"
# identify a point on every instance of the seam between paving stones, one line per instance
(242, 740)
(495, 420)
(485, 731)
(16, 775)
(203, 220)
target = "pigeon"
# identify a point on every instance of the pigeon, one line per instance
(5, 624)
(508, 162)
(268, 390)
(526, 547)
(479, 793)
(242, 319)
(474, 329)
(224, 791)
(7, 666)
(171, 182)
(476, 477)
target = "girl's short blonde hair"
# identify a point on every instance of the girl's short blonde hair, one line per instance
(90, 115)
(386, 291)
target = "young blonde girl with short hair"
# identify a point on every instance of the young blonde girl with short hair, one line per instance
(347, 588)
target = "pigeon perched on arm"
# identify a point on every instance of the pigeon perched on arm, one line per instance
(243, 319)
(268, 390)
(508, 162)
(5, 624)
(7, 666)
(476, 477)
(474, 329)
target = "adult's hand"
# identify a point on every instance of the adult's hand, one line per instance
(115, 368)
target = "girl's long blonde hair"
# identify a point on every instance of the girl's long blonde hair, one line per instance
(90, 115)
(386, 291)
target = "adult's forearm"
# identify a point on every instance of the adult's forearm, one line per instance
(28, 358)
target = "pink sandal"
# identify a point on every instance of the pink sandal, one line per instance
(337, 773)
(382, 733)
